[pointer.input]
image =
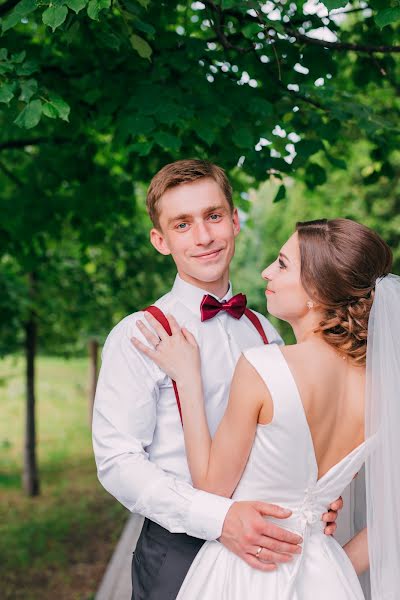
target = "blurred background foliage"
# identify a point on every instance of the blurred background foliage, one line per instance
(298, 101)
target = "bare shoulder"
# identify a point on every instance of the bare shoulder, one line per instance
(253, 389)
(298, 353)
(307, 362)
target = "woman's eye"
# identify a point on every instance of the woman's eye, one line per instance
(281, 264)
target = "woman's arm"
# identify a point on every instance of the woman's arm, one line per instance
(215, 465)
(357, 551)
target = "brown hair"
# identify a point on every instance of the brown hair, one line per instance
(340, 263)
(179, 172)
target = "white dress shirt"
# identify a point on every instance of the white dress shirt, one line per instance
(137, 433)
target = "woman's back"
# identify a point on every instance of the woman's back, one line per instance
(332, 391)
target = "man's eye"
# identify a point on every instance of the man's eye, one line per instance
(181, 226)
(214, 217)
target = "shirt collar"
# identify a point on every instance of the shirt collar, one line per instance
(191, 296)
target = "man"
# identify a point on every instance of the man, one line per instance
(137, 432)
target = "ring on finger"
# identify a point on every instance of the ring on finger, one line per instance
(157, 343)
(259, 550)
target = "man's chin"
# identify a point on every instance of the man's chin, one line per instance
(208, 275)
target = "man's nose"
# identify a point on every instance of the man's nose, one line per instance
(202, 234)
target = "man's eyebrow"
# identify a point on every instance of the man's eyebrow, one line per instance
(182, 217)
(218, 207)
(284, 256)
(188, 217)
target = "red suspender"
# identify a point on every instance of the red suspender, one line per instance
(256, 322)
(161, 318)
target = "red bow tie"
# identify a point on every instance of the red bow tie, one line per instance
(210, 306)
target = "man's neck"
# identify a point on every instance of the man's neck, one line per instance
(217, 288)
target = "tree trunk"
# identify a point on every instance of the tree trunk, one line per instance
(30, 475)
(93, 367)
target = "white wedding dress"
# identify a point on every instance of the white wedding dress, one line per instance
(282, 469)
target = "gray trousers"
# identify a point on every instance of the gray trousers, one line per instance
(160, 562)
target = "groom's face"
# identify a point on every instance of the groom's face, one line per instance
(198, 228)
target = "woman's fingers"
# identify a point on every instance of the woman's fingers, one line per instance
(143, 348)
(158, 328)
(173, 323)
(148, 334)
(189, 337)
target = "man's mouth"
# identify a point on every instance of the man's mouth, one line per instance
(208, 255)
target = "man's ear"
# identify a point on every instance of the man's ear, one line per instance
(158, 241)
(236, 221)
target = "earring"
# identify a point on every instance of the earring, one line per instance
(310, 304)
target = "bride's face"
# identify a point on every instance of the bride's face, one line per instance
(286, 297)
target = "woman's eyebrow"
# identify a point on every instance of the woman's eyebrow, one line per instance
(284, 256)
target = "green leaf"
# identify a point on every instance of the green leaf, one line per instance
(306, 148)
(57, 107)
(145, 27)
(28, 88)
(23, 8)
(144, 3)
(314, 175)
(6, 92)
(250, 31)
(242, 137)
(261, 107)
(76, 5)
(18, 57)
(54, 16)
(49, 110)
(141, 46)
(336, 162)
(332, 4)
(226, 4)
(95, 6)
(30, 116)
(205, 133)
(387, 16)
(168, 141)
(27, 68)
(281, 193)
(141, 148)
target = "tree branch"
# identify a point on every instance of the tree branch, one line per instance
(17, 144)
(341, 45)
(10, 175)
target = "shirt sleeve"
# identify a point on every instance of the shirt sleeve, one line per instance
(124, 419)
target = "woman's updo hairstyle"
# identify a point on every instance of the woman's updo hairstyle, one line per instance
(340, 263)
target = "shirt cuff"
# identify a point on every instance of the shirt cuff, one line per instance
(207, 514)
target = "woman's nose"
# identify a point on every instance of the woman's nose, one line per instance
(267, 274)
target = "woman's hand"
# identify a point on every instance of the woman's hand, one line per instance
(177, 354)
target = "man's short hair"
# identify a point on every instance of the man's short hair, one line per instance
(179, 172)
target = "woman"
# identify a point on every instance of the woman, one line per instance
(293, 432)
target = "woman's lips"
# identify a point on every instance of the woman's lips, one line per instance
(269, 292)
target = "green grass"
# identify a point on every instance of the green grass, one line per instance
(58, 544)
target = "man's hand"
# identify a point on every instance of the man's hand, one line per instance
(330, 517)
(245, 531)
